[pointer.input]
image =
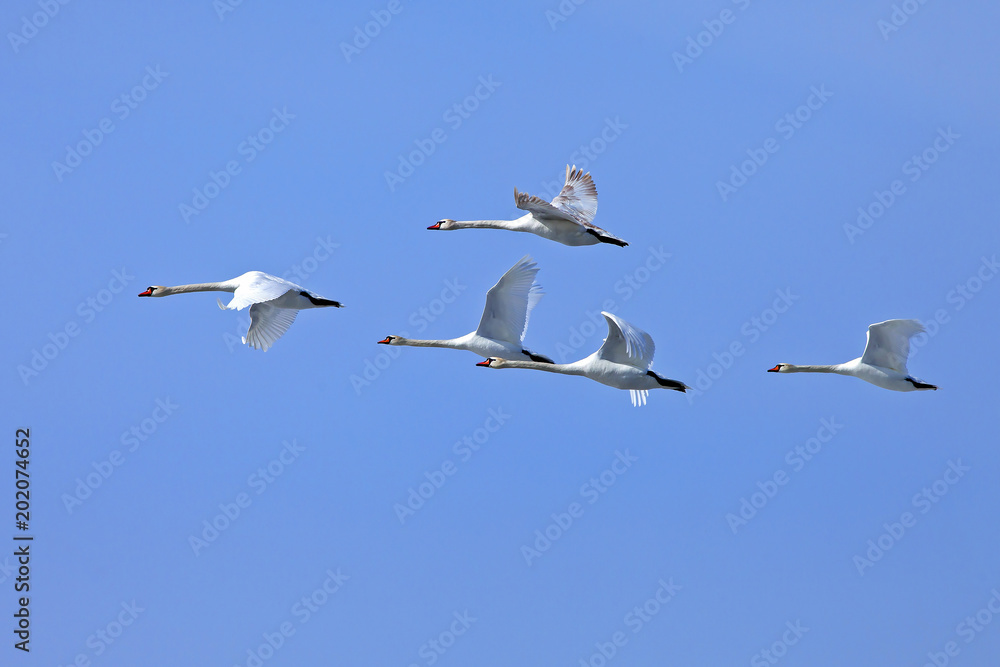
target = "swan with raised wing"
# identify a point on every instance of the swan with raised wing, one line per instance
(567, 219)
(883, 363)
(505, 318)
(622, 362)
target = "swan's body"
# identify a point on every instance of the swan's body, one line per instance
(567, 219)
(622, 362)
(273, 302)
(504, 322)
(883, 363)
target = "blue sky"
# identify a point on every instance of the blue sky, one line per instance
(785, 177)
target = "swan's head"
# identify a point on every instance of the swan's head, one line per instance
(390, 340)
(153, 290)
(493, 362)
(781, 368)
(445, 224)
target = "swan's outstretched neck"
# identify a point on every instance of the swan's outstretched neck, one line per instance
(484, 224)
(563, 369)
(226, 286)
(834, 368)
(399, 340)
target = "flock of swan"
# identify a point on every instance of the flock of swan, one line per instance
(625, 359)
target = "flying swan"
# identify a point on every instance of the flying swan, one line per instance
(273, 302)
(622, 362)
(884, 361)
(505, 318)
(566, 220)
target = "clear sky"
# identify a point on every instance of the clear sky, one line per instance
(786, 174)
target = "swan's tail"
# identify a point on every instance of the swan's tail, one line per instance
(537, 357)
(917, 384)
(605, 237)
(669, 384)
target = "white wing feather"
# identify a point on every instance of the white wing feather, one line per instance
(627, 344)
(889, 344)
(509, 303)
(576, 202)
(542, 209)
(638, 397)
(578, 195)
(258, 287)
(268, 324)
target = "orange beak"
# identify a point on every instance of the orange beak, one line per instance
(148, 292)
(484, 362)
(385, 341)
(436, 225)
(775, 369)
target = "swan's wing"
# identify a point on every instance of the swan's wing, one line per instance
(638, 396)
(578, 195)
(543, 210)
(626, 344)
(535, 295)
(258, 287)
(509, 303)
(889, 343)
(268, 324)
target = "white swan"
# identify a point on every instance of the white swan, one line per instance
(566, 220)
(505, 318)
(622, 362)
(273, 302)
(884, 361)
